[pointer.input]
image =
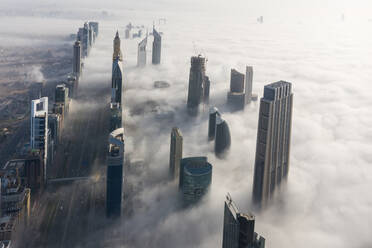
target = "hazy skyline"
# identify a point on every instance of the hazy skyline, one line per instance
(326, 202)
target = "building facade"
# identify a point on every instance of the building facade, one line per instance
(238, 228)
(223, 138)
(117, 51)
(175, 153)
(195, 178)
(213, 114)
(156, 48)
(141, 56)
(76, 63)
(236, 96)
(115, 160)
(117, 81)
(199, 83)
(248, 84)
(273, 140)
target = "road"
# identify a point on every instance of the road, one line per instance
(68, 213)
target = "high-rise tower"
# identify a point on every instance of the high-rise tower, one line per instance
(223, 137)
(273, 140)
(141, 56)
(117, 81)
(117, 52)
(195, 178)
(76, 64)
(39, 128)
(175, 153)
(248, 84)
(213, 114)
(236, 96)
(115, 179)
(156, 47)
(238, 228)
(198, 83)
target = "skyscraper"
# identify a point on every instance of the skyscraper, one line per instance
(213, 113)
(248, 84)
(117, 52)
(273, 140)
(236, 96)
(39, 128)
(141, 56)
(117, 81)
(156, 47)
(195, 178)
(76, 64)
(223, 138)
(198, 83)
(85, 41)
(115, 179)
(238, 228)
(94, 26)
(175, 153)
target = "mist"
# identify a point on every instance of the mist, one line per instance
(326, 201)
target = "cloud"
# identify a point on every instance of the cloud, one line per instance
(326, 202)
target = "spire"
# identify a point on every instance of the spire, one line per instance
(117, 34)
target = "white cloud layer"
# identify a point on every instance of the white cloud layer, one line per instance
(326, 202)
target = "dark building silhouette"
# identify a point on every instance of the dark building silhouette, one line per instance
(248, 84)
(223, 138)
(199, 84)
(156, 48)
(236, 96)
(273, 140)
(213, 113)
(115, 161)
(195, 178)
(238, 228)
(117, 81)
(76, 64)
(175, 153)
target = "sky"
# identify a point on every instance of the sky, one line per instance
(326, 201)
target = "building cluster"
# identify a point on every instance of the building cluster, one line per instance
(15, 197)
(194, 174)
(240, 93)
(28, 172)
(132, 31)
(272, 149)
(156, 50)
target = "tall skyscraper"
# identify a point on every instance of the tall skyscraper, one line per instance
(175, 153)
(238, 228)
(213, 114)
(117, 52)
(85, 41)
(156, 48)
(141, 56)
(248, 84)
(223, 137)
(94, 26)
(117, 81)
(236, 96)
(115, 179)
(273, 140)
(198, 83)
(76, 64)
(39, 128)
(195, 178)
